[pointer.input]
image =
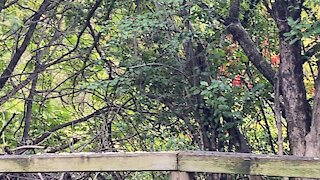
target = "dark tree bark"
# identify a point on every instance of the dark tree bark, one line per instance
(28, 110)
(294, 95)
(296, 107)
(17, 55)
(313, 137)
(241, 35)
(291, 73)
(195, 64)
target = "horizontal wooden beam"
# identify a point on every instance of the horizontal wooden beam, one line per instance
(138, 161)
(215, 162)
(241, 163)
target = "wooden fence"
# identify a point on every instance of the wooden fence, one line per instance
(180, 163)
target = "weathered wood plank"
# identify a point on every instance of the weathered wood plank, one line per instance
(215, 162)
(239, 163)
(162, 161)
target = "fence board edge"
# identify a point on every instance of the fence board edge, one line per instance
(251, 164)
(139, 161)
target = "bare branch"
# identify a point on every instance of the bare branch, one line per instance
(7, 123)
(74, 122)
(4, 6)
(16, 57)
(251, 50)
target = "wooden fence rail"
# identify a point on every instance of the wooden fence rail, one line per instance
(215, 162)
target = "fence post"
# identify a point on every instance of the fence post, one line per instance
(179, 175)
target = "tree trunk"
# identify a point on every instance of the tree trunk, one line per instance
(313, 138)
(296, 107)
(294, 95)
(291, 73)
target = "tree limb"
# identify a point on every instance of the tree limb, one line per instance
(16, 57)
(7, 123)
(74, 122)
(251, 50)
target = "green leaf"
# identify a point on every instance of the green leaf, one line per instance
(204, 83)
(221, 99)
(258, 87)
(223, 107)
(196, 91)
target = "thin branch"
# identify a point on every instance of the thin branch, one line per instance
(29, 105)
(211, 12)
(4, 6)
(16, 57)
(63, 147)
(267, 125)
(266, 3)
(278, 113)
(74, 122)
(41, 68)
(248, 46)
(7, 124)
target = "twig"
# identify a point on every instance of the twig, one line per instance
(278, 113)
(7, 123)
(65, 146)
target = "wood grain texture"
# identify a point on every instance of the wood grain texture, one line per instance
(164, 161)
(239, 163)
(215, 162)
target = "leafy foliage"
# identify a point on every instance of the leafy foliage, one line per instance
(144, 76)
